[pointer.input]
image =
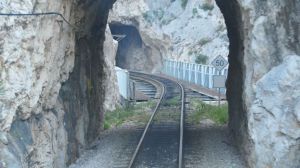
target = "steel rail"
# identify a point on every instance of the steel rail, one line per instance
(148, 125)
(180, 157)
(152, 82)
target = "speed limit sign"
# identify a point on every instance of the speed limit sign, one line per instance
(219, 63)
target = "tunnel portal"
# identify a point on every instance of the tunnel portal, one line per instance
(132, 52)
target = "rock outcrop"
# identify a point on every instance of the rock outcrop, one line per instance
(174, 29)
(110, 84)
(263, 80)
(271, 87)
(55, 79)
(37, 55)
(47, 115)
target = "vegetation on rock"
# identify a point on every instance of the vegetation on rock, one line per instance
(201, 59)
(195, 11)
(184, 3)
(204, 41)
(207, 6)
(1, 88)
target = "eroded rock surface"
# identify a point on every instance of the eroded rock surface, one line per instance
(110, 83)
(48, 117)
(54, 79)
(170, 29)
(269, 58)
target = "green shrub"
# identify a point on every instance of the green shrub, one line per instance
(168, 20)
(195, 11)
(201, 59)
(159, 14)
(148, 17)
(1, 88)
(184, 3)
(207, 6)
(204, 41)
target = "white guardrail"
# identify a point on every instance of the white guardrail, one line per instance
(123, 82)
(193, 73)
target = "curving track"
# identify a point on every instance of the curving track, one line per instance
(161, 142)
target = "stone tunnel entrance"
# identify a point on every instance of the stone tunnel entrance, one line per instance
(235, 80)
(83, 94)
(133, 54)
(131, 51)
(130, 54)
(52, 107)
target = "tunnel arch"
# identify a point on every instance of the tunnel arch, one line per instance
(83, 93)
(238, 122)
(129, 46)
(235, 80)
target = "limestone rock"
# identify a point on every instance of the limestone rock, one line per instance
(185, 31)
(37, 54)
(275, 128)
(271, 88)
(111, 86)
(36, 57)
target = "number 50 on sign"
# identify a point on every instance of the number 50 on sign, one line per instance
(219, 63)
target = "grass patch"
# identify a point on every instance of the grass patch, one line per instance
(175, 101)
(205, 111)
(138, 114)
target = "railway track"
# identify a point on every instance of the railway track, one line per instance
(192, 139)
(161, 142)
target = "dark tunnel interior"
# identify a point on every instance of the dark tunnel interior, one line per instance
(128, 46)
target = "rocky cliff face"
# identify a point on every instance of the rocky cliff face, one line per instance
(263, 80)
(110, 48)
(272, 81)
(55, 78)
(37, 55)
(47, 115)
(178, 30)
